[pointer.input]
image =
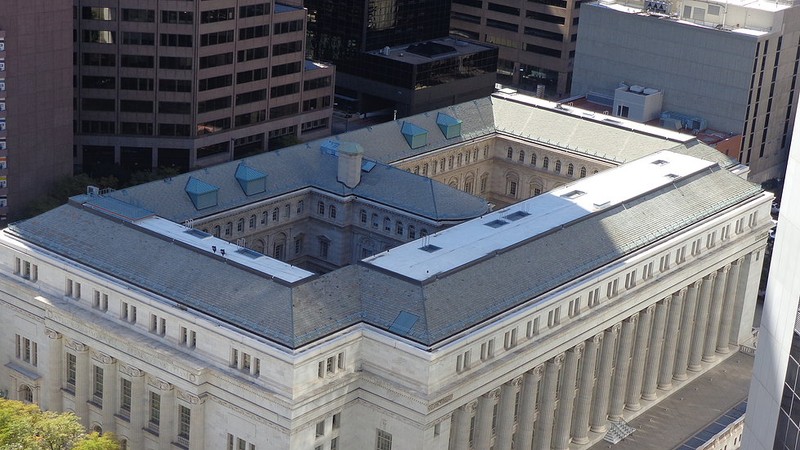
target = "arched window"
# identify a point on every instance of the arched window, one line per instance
(321, 207)
(279, 247)
(363, 216)
(253, 221)
(484, 182)
(300, 206)
(264, 216)
(469, 184)
(375, 221)
(216, 231)
(398, 228)
(510, 153)
(594, 171)
(546, 163)
(453, 183)
(450, 162)
(522, 156)
(537, 187)
(533, 159)
(512, 185)
(425, 169)
(570, 169)
(276, 214)
(416, 170)
(459, 159)
(387, 224)
(412, 232)
(332, 212)
(583, 172)
(240, 225)
(287, 211)
(26, 393)
(97, 429)
(228, 228)
(558, 166)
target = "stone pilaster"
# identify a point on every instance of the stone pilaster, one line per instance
(138, 403)
(109, 404)
(83, 379)
(54, 399)
(483, 421)
(505, 412)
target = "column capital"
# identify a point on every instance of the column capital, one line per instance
(516, 382)
(159, 383)
(666, 301)
(52, 334)
(558, 359)
(597, 338)
(738, 262)
(537, 371)
(633, 318)
(724, 269)
(102, 357)
(579, 348)
(650, 309)
(188, 397)
(76, 345)
(471, 407)
(710, 277)
(681, 292)
(615, 328)
(130, 370)
(698, 284)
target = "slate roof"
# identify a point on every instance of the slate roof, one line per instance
(297, 168)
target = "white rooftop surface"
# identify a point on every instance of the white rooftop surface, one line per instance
(597, 117)
(262, 263)
(472, 240)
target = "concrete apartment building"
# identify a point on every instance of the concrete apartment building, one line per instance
(410, 316)
(733, 66)
(536, 39)
(35, 101)
(189, 84)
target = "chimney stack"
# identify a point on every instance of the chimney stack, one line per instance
(350, 156)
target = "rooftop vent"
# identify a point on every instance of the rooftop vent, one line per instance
(660, 162)
(430, 248)
(672, 176)
(573, 194)
(496, 223)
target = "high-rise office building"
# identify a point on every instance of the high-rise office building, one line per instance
(536, 39)
(35, 101)
(730, 67)
(190, 84)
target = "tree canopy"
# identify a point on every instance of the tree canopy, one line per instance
(26, 427)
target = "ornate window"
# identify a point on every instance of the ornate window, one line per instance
(558, 166)
(546, 163)
(570, 169)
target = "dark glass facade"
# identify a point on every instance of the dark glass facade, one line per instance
(786, 434)
(340, 29)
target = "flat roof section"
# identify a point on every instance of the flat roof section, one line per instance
(208, 243)
(463, 244)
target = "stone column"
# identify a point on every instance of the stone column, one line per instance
(196, 419)
(505, 412)
(580, 422)
(700, 322)
(566, 402)
(83, 380)
(109, 405)
(634, 391)
(617, 400)
(544, 426)
(483, 420)
(138, 401)
(712, 330)
(654, 350)
(527, 408)
(671, 340)
(731, 290)
(459, 429)
(55, 372)
(599, 414)
(687, 325)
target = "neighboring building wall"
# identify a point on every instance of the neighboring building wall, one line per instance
(165, 86)
(537, 42)
(769, 405)
(35, 102)
(755, 97)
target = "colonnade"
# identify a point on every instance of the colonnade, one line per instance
(594, 382)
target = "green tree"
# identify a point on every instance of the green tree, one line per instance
(26, 427)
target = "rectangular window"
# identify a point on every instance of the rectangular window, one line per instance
(384, 441)
(73, 289)
(97, 385)
(125, 397)
(510, 339)
(155, 411)
(611, 288)
(532, 328)
(27, 350)
(574, 307)
(462, 361)
(663, 263)
(71, 371)
(680, 255)
(630, 279)
(320, 429)
(487, 349)
(184, 422)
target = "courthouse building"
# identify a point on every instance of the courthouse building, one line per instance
(362, 303)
